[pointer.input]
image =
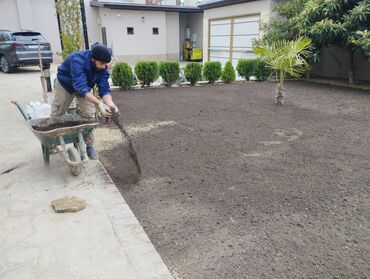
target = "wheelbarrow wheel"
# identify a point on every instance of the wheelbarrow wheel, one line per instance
(74, 156)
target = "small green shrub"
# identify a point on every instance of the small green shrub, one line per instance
(247, 68)
(123, 76)
(147, 72)
(212, 71)
(262, 72)
(169, 71)
(193, 72)
(228, 74)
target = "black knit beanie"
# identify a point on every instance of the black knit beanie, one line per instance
(101, 53)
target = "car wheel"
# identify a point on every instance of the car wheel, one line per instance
(4, 65)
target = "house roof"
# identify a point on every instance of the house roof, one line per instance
(220, 3)
(135, 6)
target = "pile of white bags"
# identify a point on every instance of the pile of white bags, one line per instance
(38, 110)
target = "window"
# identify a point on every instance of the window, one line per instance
(155, 31)
(28, 36)
(130, 30)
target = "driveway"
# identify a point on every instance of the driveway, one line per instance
(102, 241)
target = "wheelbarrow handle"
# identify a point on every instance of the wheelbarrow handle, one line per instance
(24, 114)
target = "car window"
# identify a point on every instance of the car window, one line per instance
(28, 36)
(3, 37)
(7, 37)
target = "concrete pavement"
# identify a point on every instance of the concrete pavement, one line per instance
(104, 240)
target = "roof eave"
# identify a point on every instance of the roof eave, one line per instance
(222, 3)
(144, 7)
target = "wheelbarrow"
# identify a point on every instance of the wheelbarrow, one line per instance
(57, 132)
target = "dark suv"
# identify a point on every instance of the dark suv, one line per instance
(19, 49)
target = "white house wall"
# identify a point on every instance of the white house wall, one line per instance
(25, 13)
(36, 15)
(172, 36)
(143, 44)
(9, 18)
(92, 22)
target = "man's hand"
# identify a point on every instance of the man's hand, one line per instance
(105, 110)
(113, 107)
(108, 101)
(106, 107)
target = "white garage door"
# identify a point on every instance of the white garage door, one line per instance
(231, 39)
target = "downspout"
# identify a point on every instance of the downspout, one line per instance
(84, 24)
(59, 27)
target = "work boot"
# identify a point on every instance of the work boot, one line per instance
(91, 152)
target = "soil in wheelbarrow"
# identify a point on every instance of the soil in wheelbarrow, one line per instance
(57, 125)
(234, 186)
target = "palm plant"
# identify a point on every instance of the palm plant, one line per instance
(285, 58)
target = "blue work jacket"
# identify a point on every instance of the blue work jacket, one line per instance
(77, 75)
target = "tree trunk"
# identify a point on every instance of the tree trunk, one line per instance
(279, 95)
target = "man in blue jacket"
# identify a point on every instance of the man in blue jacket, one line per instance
(77, 76)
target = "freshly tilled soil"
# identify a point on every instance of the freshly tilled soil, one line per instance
(242, 188)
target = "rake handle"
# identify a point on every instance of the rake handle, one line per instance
(24, 114)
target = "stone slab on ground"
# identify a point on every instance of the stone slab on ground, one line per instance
(68, 204)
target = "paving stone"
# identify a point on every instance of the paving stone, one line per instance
(68, 204)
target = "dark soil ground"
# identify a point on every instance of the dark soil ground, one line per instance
(242, 188)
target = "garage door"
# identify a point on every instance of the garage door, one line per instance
(231, 39)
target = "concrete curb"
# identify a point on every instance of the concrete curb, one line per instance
(141, 253)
